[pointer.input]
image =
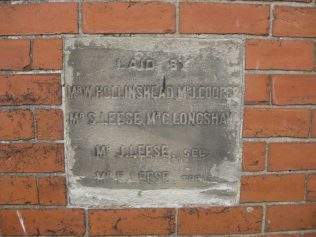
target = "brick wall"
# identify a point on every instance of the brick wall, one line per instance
(278, 180)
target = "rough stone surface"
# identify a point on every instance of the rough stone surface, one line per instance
(153, 122)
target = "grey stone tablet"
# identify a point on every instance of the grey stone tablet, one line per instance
(153, 121)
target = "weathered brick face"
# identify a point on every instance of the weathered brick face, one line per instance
(278, 170)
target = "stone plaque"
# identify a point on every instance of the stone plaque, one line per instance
(153, 121)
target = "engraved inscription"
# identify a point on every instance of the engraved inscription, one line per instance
(151, 121)
(136, 64)
(113, 118)
(220, 93)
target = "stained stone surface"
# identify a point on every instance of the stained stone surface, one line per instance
(153, 121)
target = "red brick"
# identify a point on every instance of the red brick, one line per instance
(280, 54)
(49, 123)
(47, 54)
(314, 124)
(254, 156)
(42, 222)
(311, 187)
(52, 190)
(35, 18)
(30, 89)
(296, 0)
(18, 190)
(259, 122)
(292, 156)
(257, 89)
(310, 234)
(218, 18)
(132, 222)
(280, 235)
(219, 220)
(270, 1)
(128, 17)
(15, 54)
(293, 89)
(16, 125)
(28, 157)
(291, 217)
(271, 188)
(294, 21)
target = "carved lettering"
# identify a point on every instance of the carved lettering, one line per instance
(101, 150)
(207, 118)
(197, 178)
(143, 150)
(75, 117)
(152, 177)
(222, 93)
(175, 64)
(141, 64)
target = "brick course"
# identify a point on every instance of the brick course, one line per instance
(278, 167)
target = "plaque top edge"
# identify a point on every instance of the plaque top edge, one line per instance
(69, 41)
